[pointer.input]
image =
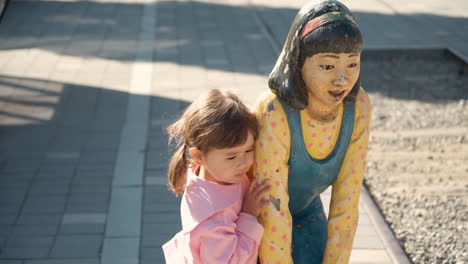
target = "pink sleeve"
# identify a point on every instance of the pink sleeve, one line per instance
(225, 243)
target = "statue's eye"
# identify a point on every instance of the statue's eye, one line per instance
(352, 65)
(327, 67)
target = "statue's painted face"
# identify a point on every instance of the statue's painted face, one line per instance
(329, 77)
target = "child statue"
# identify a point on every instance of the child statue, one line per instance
(314, 131)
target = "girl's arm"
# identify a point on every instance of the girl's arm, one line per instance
(226, 242)
(344, 204)
(271, 156)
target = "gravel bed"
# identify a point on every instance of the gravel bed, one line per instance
(424, 198)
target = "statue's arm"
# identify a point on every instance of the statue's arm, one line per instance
(271, 156)
(344, 204)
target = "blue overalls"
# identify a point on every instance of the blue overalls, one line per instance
(308, 178)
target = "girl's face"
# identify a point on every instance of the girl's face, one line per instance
(228, 165)
(329, 77)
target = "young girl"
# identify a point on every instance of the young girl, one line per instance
(219, 207)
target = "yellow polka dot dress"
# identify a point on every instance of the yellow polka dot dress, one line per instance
(302, 157)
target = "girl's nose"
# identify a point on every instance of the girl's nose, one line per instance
(340, 79)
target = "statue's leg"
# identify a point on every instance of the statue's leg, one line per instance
(309, 234)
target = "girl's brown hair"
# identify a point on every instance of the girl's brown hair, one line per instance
(214, 120)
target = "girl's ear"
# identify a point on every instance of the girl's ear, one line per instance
(196, 155)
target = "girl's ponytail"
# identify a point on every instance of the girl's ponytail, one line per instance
(178, 165)
(178, 171)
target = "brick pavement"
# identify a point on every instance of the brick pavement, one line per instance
(86, 89)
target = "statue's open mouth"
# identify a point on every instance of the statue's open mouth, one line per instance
(336, 94)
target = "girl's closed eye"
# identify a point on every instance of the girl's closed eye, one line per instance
(231, 158)
(249, 150)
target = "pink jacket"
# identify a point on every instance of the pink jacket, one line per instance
(213, 228)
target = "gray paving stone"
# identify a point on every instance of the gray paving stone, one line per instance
(40, 219)
(98, 199)
(160, 194)
(84, 219)
(153, 241)
(81, 229)
(163, 218)
(116, 68)
(3, 240)
(365, 229)
(62, 163)
(12, 202)
(108, 140)
(95, 168)
(96, 179)
(7, 219)
(155, 159)
(162, 229)
(6, 229)
(22, 165)
(87, 188)
(22, 176)
(30, 242)
(159, 181)
(89, 197)
(154, 254)
(35, 230)
(367, 241)
(113, 101)
(108, 123)
(10, 183)
(157, 143)
(120, 251)
(83, 246)
(11, 205)
(133, 140)
(10, 209)
(160, 260)
(363, 221)
(20, 253)
(368, 256)
(129, 168)
(156, 173)
(47, 188)
(124, 217)
(98, 157)
(86, 207)
(11, 262)
(55, 173)
(126, 11)
(45, 204)
(62, 155)
(62, 261)
(159, 208)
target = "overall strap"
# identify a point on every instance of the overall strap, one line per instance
(295, 128)
(297, 139)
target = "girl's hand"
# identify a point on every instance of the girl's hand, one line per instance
(253, 199)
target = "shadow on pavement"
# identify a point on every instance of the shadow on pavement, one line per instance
(214, 36)
(58, 148)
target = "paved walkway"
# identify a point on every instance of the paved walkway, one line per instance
(87, 87)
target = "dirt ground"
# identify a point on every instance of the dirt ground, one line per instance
(418, 152)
